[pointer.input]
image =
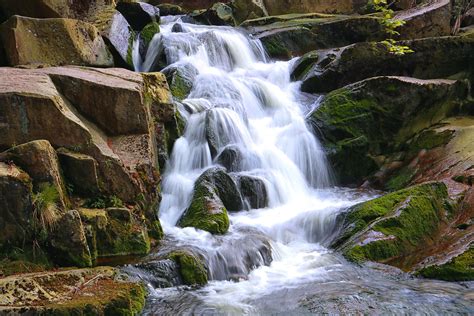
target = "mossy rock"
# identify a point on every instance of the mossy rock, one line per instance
(460, 268)
(149, 31)
(206, 212)
(191, 267)
(378, 116)
(391, 229)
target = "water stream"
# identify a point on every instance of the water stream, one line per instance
(273, 260)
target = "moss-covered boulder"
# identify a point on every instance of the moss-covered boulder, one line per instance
(219, 14)
(207, 211)
(99, 291)
(53, 42)
(433, 58)
(394, 228)
(247, 10)
(191, 267)
(368, 120)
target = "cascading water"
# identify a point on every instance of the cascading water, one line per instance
(242, 102)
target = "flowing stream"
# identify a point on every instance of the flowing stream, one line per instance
(274, 259)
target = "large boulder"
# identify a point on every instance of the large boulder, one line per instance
(191, 267)
(53, 42)
(362, 123)
(254, 192)
(432, 58)
(16, 205)
(123, 143)
(410, 229)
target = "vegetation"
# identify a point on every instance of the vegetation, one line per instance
(103, 201)
(45, 208)
(391, 25)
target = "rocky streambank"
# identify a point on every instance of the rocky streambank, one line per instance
(85, 142)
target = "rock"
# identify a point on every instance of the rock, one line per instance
(377, 116)
(459, 268)
(69, 243)
(468, 18)
(159, 273)
(392, 229)
(226, 187)
(138, 14)
(16, 207)
(218, 14)
(206, 212)
(426, 20)
(114, 232)
(54, 8)
(102, 292)
(180, 79)
(287, 36)
(433, 58)
(53, 42)
(277, 7)
(235, 159)
(191, 267)
(81, 172)
(120, 37)
(170, 9)
(247, 10)
(254, 192)
(39, 160)
(88, 112)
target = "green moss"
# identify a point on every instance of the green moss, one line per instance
(430, 139)
(206, 211)
(156, 231)
(401, 180)
(276, 48)
(149, 31)
(180, 87)
(192, 269)
(129, 58)
(460, 268)
(407, 219)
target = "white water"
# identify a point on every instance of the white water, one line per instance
(248, 102)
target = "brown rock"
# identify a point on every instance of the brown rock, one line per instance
(53, 42)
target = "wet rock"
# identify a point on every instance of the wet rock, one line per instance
(226, 187)
(392, 229)
(69, 243)
(459, 268)
(159, 273)
(98, 291)
(81, 172)
(207, 211)
(433, 58)
(377, 116)
(191, 267)
(16, 205)
(53, 42)
(468, 18)
(180, 79)
(38, 158)
(120, 37)
(138, 14)
(254, 192)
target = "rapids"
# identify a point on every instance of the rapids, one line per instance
(272, 260)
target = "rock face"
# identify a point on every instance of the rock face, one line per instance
(433, 58)
(53, 42)
(406, 228)
(375, 117)
(276, 7)
(102, 292)
(138, 14)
